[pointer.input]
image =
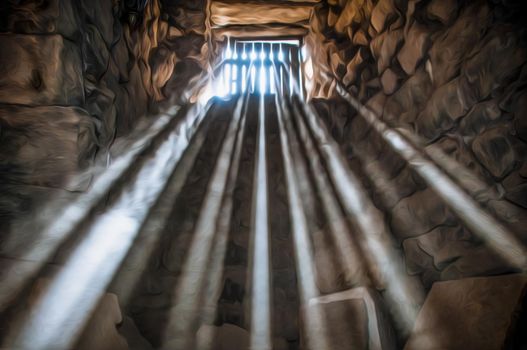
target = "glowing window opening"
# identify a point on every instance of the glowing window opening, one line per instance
(261, 67)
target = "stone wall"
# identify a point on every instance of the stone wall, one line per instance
(451, 72)
(73, 76)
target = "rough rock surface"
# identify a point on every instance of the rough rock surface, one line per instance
(472, 313)
(76, 74)
(25, 80)
(451, 76)
(55, 140)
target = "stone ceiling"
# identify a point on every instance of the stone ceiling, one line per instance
(239, 17)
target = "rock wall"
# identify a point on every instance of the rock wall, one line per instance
(73, 76)
(451, 73)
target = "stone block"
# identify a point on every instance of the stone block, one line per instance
(100, 14)
(95, 53)
(406, 103)
(390, 81)
(390, 191)
(477, 261)
(473, 313)
(419, 213)
(360, 38)
(417, 261)
(416, 44)
(50, 17)
(43, 146)
(479, 118)
(355, 65)
(447, 104)
(519, 106)
(443, 10)
(496, 62)
(455, 44)
(469, 172)
(40, 70)
(227, 337)
(385, 46)
(352, 12)
(444, 245)
(494, 149)
(355, 318)
(382, 13)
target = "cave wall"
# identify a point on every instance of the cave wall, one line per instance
(451, 73)
(74, 75)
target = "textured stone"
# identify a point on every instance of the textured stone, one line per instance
(498, 61)
(479, 261)
(443, 10)
(419, 213)
(458, 151)
(227, 337)
(354, 66)
(360, 38)
(382, 13)
(416, 43)
(358, 319)
(133, 336)
(376, 103)
(25, 80)
(53, 17)
(390, 191)
(494, 149)
(44, 145)
(384, 47)
(479, 118)
(95, 54)
(447, 104)
(416, 259)
(519, 106)
(101, 331)
(474, 313)
(390, 81)
(100, 13)
(406, 103)
(100, 103)
(518, 194)
(352, 12)
(445, 244)
(450, 48)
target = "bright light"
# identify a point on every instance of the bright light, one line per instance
(228, 53)
(244, 78)
(262, 54)
(303, 52)
(280, 54)
(253, 78)
(263, 79)
(249, 66)
(244, 53)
